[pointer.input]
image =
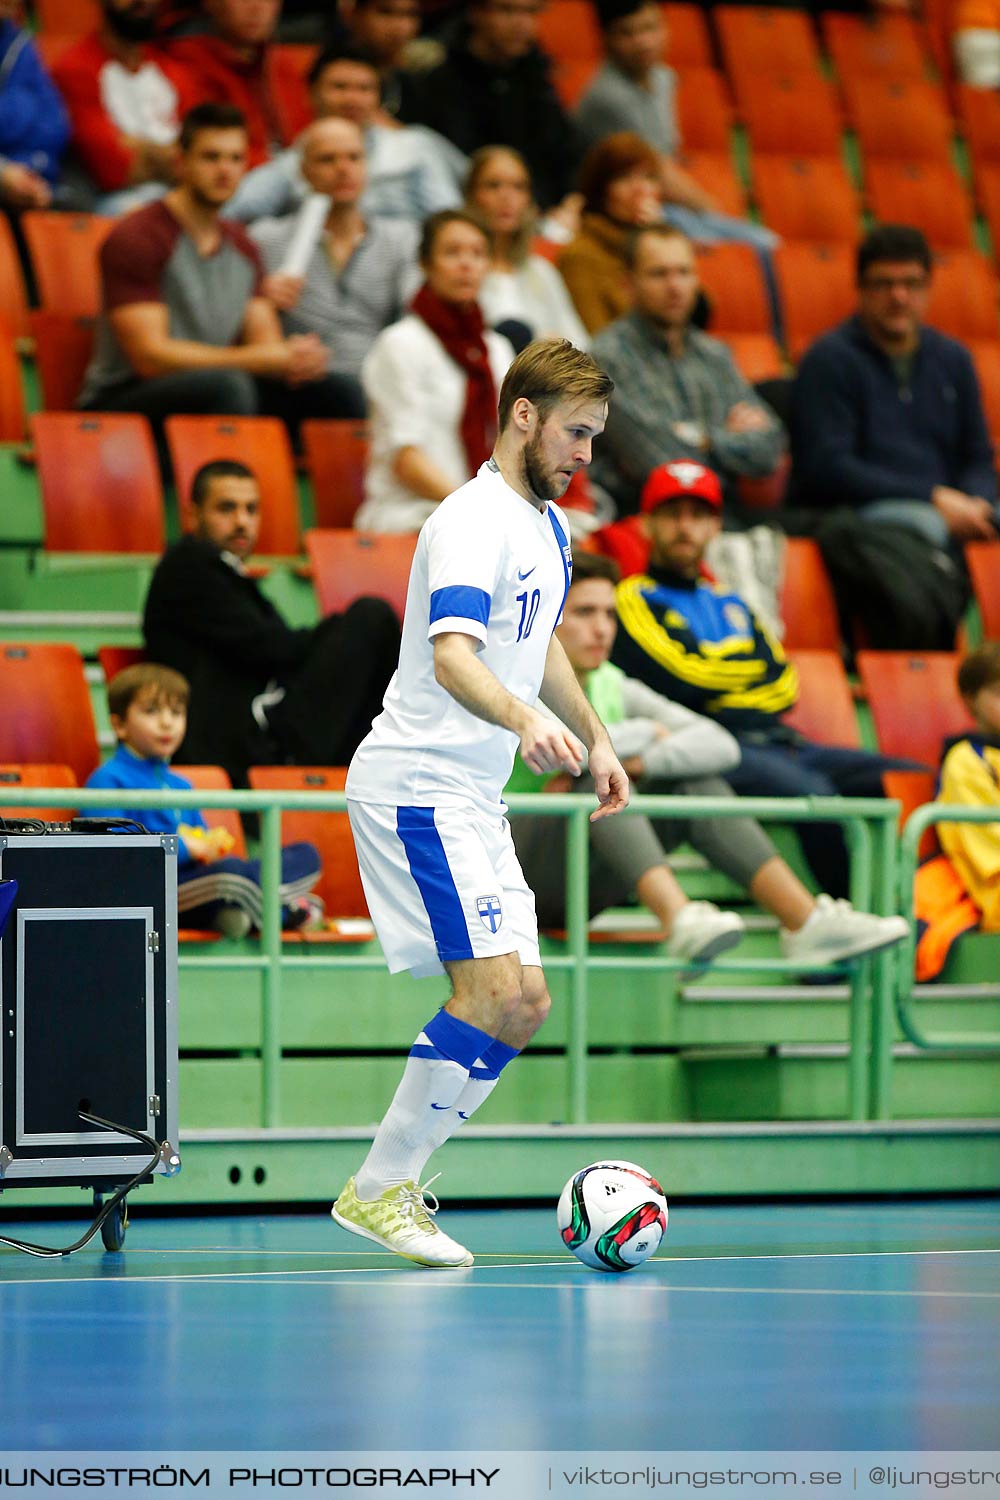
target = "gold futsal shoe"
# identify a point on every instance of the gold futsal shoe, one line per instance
(402, 1220)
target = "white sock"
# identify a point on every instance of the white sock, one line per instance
(432, 1084)
(483, 1079)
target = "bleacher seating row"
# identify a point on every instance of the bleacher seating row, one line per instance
(79, 456)
(339, 886)
(913, 699)
(815, 279)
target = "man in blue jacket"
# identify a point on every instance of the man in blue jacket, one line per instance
(886, 414)
(33, 121)
(889, 440)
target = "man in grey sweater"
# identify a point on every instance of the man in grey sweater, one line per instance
(635, 90)
(665, 747)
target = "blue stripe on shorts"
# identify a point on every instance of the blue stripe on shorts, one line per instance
(435, 882)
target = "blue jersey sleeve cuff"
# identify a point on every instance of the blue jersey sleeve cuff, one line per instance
(462, 608)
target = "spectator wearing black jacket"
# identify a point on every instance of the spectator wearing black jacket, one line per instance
(261, 691)
(493, 88)
(887, 419)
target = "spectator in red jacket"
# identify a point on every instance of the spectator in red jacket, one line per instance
(126, 99)
(236, 62)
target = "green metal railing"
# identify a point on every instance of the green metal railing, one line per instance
(870, 828)
(904, 960)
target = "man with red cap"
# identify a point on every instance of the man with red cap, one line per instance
(700, 645)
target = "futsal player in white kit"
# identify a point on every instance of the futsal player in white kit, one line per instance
(490, 574)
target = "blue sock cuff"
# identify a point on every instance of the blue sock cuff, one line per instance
(493, 1061)
(454, 1039)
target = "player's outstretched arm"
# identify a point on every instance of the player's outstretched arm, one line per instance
(545, 745)
(562, 693)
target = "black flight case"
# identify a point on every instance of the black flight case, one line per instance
(88, 999)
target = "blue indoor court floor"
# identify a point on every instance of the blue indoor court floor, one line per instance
(798, 1326)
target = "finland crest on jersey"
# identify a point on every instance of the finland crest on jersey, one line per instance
(490, 912)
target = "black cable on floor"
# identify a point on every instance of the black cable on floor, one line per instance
(112, 1203)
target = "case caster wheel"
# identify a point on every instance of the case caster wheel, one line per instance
(114, 1227)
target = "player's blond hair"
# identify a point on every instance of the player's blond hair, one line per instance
(548, 372)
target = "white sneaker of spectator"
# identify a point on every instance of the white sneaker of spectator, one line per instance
(701, 932)
(835, 931)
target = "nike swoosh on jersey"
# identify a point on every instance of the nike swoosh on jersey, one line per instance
(523, 576)
(440, 1106)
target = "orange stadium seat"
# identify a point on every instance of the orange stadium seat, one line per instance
(568, 30)
(336, 453)
(965, 296)
(987, 176)
(986, 358)
(761, 39)
(807, 198)
(929, 195)
(715, 172)
(47, 715)
(899, 119)
(259, 442)
(32, 776)
(979, 116)
(13, 294)
(12, 411)
(301, 55)
(732, 278)
(911, 789)
(806, 600)
(215, 779)
(68, 17)
(704, 110)
(937, 18)
(571, 78)
(51, 45)
(914, 701)
(816, 289)
(790, 113)
(64, 251)
(340, 883)
(877, 45)
(757, 355)
(63, 347)
(347, 565)
(100, 482)
(689, 43)
(824, 709)
(114, 659)
(983, 560)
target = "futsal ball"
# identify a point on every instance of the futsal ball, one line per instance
(612, 1215)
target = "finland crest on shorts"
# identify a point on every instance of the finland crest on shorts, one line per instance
(490, 912)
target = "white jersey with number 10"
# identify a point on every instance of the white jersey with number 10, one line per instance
(490, 565)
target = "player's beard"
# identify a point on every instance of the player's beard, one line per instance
(543, 483)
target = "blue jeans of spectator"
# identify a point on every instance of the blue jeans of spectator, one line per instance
(707, 228)
(203, 890)
(916, 515)
(810, 770)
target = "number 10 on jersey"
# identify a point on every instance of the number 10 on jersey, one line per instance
(529, 609)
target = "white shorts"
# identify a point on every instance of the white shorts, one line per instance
(442, 884)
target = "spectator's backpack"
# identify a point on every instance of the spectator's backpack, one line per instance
(906, 594)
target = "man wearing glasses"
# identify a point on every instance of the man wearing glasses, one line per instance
(886, 414)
